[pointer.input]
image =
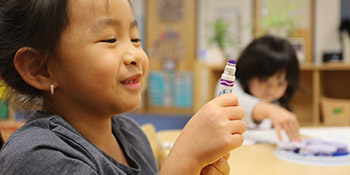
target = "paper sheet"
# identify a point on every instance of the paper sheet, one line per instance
(340, 134)
(256, 136)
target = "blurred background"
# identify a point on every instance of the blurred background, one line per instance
(189, 41)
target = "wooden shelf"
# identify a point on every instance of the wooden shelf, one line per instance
(334, 67)
(328, 80)
(325, 67)
(307, 67)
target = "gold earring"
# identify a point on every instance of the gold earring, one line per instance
(52, 89)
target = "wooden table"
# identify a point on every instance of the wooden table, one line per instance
(259, 159)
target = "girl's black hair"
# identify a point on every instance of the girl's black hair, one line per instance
(263, 58)
(29, 23)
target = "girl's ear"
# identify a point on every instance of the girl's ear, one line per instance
(32, 69)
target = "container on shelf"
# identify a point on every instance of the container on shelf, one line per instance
(335, 111)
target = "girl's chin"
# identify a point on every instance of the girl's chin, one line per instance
(133, 106)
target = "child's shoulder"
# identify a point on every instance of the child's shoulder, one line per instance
(38, 132)
(46, 141)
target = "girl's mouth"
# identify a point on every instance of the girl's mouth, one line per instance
(132, 82)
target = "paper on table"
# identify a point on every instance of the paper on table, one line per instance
(263, 133)
(255, 136)
(339, 134)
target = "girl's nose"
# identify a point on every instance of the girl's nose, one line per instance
(133, 57)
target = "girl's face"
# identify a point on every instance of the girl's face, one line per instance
(101, 64)
(270, 90)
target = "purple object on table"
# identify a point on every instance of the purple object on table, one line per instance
(315, 147)
(318, 150)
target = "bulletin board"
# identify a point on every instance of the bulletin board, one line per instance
(160, 21)
(170, 28)
(292, 19)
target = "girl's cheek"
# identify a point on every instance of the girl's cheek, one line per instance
(280, 93)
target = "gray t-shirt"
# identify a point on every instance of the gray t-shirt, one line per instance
(47, 144)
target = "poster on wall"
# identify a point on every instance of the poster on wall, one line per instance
(169, 49)
(170, 10)
(224, 28)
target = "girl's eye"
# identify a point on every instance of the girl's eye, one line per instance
(112, 40)
(136, 40)
(282, 83)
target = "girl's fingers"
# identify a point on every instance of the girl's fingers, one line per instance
(278, 130)
(234, 113)
(220, 167)
(237, 127)
(288, 129)
(227, 156)
(210, 170)
(292, 129)
(236, 141)
(226, 100)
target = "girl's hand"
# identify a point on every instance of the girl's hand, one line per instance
(211, 133)
(284, 119)
(220, 167)
(281, 118)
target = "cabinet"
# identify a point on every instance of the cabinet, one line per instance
(329, 80)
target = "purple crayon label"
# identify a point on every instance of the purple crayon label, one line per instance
(226, 82)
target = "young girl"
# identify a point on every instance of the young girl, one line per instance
(268, 75)
(83, 62)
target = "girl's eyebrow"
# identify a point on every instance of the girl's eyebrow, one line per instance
(104, 22)
(134, 24)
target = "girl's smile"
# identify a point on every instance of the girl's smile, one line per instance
(133, 82)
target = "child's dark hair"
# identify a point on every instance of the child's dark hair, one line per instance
(29, 23)
(266, 56)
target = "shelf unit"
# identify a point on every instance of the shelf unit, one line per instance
(328, 80)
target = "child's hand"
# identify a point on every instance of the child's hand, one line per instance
(282, 119)
(220, 167)
(211, 134)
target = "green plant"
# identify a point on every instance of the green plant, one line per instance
(221, 35)
(279, 17)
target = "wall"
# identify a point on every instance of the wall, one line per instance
(326, 23)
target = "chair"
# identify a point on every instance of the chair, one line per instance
(2, 142)
(161, 122)
(156, 146)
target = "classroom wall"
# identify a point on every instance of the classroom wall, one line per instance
(326, 23)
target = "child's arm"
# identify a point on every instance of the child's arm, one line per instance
(280, 118)
(211, 134)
